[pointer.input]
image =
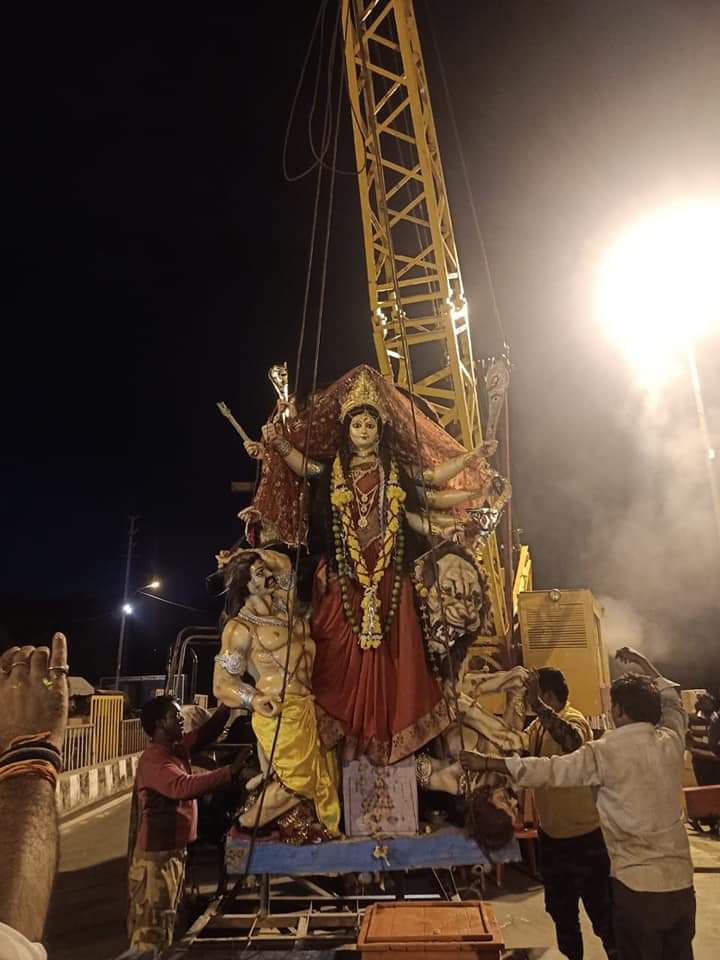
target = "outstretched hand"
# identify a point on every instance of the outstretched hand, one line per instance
(34, 692)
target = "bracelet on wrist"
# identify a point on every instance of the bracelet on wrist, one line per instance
(35, 747)
(22, 754)
(40, 769)
(283, 446)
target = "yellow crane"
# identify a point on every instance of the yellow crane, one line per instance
(418, 309)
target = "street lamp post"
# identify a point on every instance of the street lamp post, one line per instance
(125, 605)
(708, 450)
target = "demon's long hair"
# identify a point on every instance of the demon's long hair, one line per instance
(321, 535)
(237, 578)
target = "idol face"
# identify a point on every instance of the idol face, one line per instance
(363, 432)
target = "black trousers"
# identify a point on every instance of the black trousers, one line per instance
(576, 869)
(653, 926)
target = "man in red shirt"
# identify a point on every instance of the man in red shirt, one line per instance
(165, 797)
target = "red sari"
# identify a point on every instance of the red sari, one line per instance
(383, 702)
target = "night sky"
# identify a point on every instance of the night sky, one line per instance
(155, 263)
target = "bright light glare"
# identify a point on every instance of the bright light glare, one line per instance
(127, 608)
(154, 585)
(658, 287)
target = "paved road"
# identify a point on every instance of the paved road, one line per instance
(87, 913)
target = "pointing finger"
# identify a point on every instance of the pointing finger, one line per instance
(59, 655)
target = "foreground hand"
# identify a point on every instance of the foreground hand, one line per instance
(265, 706)
(473, 762)
(34, 692)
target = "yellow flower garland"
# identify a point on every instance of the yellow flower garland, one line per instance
(341, 497)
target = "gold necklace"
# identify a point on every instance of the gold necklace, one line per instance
(364, 501)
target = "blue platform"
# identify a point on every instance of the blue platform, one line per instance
(448, 847)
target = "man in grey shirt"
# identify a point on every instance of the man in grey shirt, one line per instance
(636, 770)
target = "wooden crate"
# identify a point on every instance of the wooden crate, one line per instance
(702, 801)
(430, 931)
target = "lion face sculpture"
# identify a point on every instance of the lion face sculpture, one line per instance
(457, 594)
(455, 603)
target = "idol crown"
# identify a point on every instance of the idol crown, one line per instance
(363, 392)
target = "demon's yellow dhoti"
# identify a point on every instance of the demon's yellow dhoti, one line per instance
(299, 761)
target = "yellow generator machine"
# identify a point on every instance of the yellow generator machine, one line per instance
(562, 629)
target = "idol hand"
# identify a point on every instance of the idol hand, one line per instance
(254, 449)
(265, 706)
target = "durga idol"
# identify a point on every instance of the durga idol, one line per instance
(373, 687)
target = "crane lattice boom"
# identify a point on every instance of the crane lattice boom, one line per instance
(418, 307)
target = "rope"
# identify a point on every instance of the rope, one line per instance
(468, 187)
(318, 27)
(311, 252)
(334, 168)
(319, 155)
(305, 484)
(380, 180)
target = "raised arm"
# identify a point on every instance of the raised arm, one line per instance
(673, 716)
(567, 735)
(295, 459)
(440, 475)
(209, 731)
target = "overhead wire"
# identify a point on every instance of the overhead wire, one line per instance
(304, 486)
(383, 204)
(509, 534)
(318, 28)
(318, 154)
(331, 135)
(320, 157)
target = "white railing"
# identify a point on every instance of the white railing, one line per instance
(79, 746)
(106, 737)
(133, 738)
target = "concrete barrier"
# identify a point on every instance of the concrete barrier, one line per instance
(81, 788)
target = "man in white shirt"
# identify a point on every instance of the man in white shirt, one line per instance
(636, 770)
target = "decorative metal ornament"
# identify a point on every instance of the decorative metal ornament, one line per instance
(278, 377)
(286, 581)
(497, 381)
(487, 519)
(362, 392)
(232, 663)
